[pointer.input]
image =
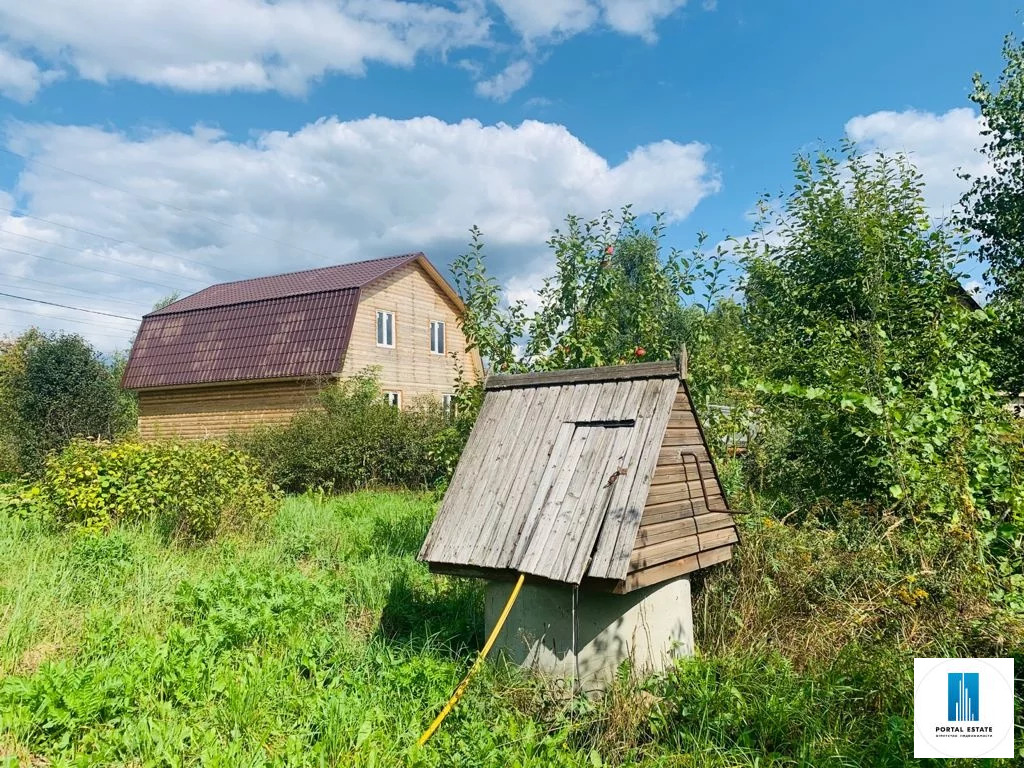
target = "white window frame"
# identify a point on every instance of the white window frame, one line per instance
(382, 330)
(393, 398)
(435, 337)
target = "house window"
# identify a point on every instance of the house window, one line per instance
(385, 328)
(448, 405)
(394, 399)
(437, 337)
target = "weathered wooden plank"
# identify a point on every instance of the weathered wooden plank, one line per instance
(621, 399)
(681, 437)
(658, 573)
(660, 494)
(652, 533)
(556, 523)
(505, 453)
(718, 538)
(588, 514)
(713, 521)
(666, 474)
(655, 554)
(584, 400)
(660, 513)
(625, 471)
(526, 486)
(441, 544)
(530, 548)
(714, 556)
(517, 467)
(581, 375)
(658, 410)
(676, 457)
(682, 420)
(646, 397)
(674, 454)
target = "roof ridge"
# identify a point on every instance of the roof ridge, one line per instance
(599, 374)
(401, 258)
(164, 311)
(409, 255)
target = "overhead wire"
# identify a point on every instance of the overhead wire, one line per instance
(68, 306)
(63, 319)
(91, 269)
(105, 256)
(119, 241)
(120, 337)
(67, 288)
(171, 206)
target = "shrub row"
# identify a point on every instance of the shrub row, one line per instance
(191, 491)
(354, 439)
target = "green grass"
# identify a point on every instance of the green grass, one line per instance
(322, 642)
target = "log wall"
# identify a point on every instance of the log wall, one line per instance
(217, 411)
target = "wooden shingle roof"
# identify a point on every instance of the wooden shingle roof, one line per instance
(558, 481)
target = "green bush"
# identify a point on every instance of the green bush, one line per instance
(191, 491)
(353, 439)
(54, 387)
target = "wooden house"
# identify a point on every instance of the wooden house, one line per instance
(599, 478)
(256, 351)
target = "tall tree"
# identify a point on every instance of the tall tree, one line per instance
(615, 296)
(994, 209)
(872, 369)
(58, 388)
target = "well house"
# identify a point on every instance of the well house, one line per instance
(598, 485)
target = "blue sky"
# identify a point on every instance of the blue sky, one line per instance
(247, 137)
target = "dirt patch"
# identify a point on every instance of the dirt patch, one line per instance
(35, 656)
(23, 757)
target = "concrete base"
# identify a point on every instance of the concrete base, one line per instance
(649, 626)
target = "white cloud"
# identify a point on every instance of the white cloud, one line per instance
(638, 17)
(331, 192)
(20, 79)
(285, 45)
(563, 18)
(546, 18)
(939, 145)
(195, 45)
(505, 83)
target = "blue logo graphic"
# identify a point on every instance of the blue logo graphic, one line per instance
(963, 696)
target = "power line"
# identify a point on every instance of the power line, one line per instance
(91, 269)
(23, 215)
(67, 306)
(104, 296)
(14, 330)
(173, 207)
(104, 256)
(64, 319)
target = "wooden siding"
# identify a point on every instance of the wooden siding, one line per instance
(409, 367)
(217, 411)
(681, 530)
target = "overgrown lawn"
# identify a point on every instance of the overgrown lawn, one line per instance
(323, 642)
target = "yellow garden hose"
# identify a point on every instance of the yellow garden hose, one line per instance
(461, 689)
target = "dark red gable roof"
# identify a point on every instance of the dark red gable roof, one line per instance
(282, 326)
